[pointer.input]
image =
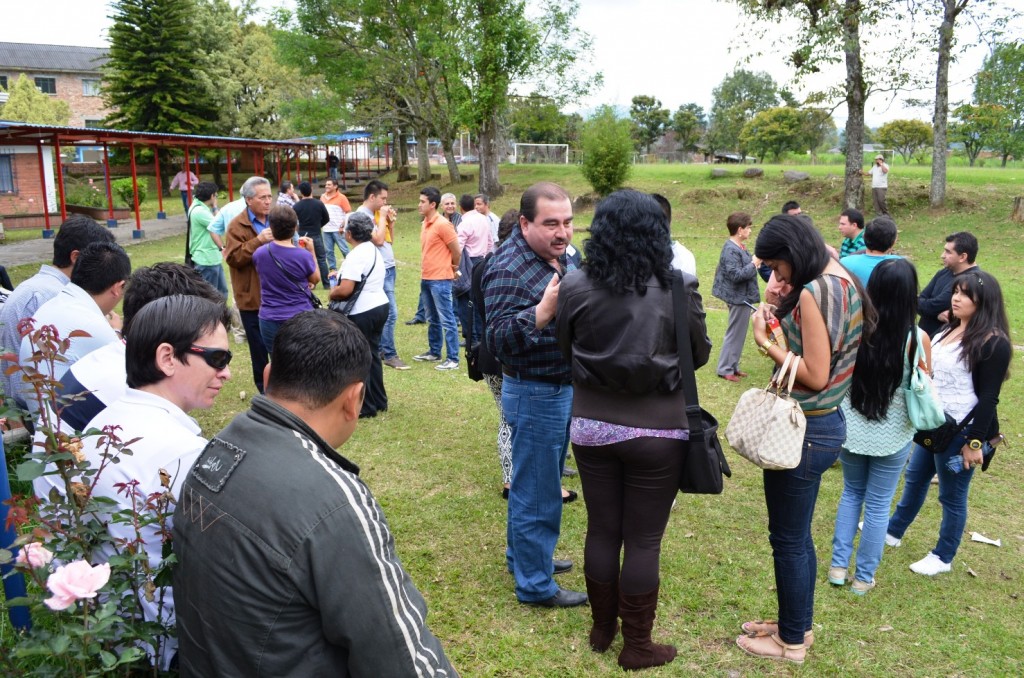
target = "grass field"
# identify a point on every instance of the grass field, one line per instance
(431, 461)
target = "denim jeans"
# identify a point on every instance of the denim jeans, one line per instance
(868, 483)
(214, 274)
(440, 317)
(421, 309)
(330, 240)
(538, 414)
(790, 496)
(953, 488)
(387, 338)
(258, 353)
(320, 256)
(268, 332)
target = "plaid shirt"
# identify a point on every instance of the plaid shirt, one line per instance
(513, 286)
(852, 245)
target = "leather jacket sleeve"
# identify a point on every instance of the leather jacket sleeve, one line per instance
(700, 342)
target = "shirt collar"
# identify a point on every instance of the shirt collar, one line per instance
(147, 399)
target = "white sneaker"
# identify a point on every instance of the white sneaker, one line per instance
(447, 365)
(892, 541)
(930, 566)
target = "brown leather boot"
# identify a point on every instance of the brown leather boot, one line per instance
(638, 652)
(604, 608)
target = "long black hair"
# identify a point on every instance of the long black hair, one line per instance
(880, 357)
(629, 242)
(989, 317)
(793, 239)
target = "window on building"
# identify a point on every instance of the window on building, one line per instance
(6, 174)
(47, 85)
(90, 87)
(94, 124)
(3, 82)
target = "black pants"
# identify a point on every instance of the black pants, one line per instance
(257, 351)
(371, 324)
(321, 256)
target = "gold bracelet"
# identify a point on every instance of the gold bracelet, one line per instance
(767, 345)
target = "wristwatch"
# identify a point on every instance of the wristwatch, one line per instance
(974, 444)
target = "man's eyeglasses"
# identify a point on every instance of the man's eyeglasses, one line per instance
(217, 358)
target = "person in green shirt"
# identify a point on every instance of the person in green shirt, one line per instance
(851, 227)
(204, 252)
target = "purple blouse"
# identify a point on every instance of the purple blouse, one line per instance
(594, 433)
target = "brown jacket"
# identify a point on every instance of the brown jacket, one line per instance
(241, 242)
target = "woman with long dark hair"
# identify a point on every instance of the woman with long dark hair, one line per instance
(971, 360)
(616, 326)
(878, 427)
(821, 318)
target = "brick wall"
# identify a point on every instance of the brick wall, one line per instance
(70, 89)
(28, 195)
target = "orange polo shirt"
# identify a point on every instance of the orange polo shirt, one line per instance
(435, 237)
(338, 199)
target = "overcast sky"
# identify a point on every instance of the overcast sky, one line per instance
(676, 50)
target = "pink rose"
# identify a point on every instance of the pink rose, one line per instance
(34, 555)
(74, 581)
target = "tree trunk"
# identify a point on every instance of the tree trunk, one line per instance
(856, 97)
(488, 140)
(403, 157)
(215, 169)
(422, 156)
(1018, 210)
(937, 192)
(448, 146)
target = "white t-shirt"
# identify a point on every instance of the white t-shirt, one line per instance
(337, 221)
(879, 178)
(357, 264)
(683, 259)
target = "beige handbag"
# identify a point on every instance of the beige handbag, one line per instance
(768, 427)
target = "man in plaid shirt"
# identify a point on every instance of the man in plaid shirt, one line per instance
(520, 297)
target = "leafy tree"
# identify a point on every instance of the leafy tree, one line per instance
(774, 131)
(907, 137)
(537, 120)
(1001, 82)
(689, 123)
(816, 129)
(737, 98)
(649, 120)
(607, 150)
(25, 103)
(975, 126)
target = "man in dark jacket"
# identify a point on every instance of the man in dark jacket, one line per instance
(958, 255)
(286, 565)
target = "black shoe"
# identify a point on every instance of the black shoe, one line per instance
(569, 472)
(564, 598)
(570, 498)
(561, 566)
(414, 321)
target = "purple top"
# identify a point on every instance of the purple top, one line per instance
(281, 296)
(594, 433)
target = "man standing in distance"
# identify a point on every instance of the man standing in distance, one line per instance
(332, 196)
(440, 247)
(375, 203)
(246, 232)
(879, 174)
(313, 217)
(520, 297)
(958, 255)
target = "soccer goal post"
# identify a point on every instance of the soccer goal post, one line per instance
(549, 154)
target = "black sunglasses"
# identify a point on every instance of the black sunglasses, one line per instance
(217, 358)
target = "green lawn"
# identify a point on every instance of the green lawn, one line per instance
(431, 461)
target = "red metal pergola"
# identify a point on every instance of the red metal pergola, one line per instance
(38, 136)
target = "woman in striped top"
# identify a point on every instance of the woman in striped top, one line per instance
(821, 318)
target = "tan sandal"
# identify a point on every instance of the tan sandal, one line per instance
(766, 627)
(772, 647)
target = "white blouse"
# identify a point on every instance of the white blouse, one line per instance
(952, 379)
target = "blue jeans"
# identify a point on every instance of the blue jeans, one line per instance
(268, 332)
(953, 488)
(790, 496)
(538, 414)
(258, 353)
(868, 483)
(441, 317)
(214, 274)
(387, 338)
(330, 240)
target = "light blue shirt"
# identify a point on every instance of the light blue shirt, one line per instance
(23, 302)
(861, 265)
(219, 225)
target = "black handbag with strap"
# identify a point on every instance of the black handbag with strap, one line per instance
(705, 462)
(313, 299)
(345, 306)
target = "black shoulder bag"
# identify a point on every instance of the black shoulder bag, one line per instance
(188, 236)
(705, 462)
(313, 299)
(345, 306)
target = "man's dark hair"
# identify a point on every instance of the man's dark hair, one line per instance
(74, 234)
(543, 189)
(285, 185)
(964, 243)
(282, 221)
(483, 197)
(855, 217)
(790, 205)
(432, 194)
(360, 226)
(163, 280)
(509, 222)
(305, 189)
(204, 190)
(880, 234)
(178, 320)
(374, 187)
(466, 202)
(99, 266)
(736, 221)
(665, 206)
(317, 355)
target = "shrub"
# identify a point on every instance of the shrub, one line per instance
(122, 188)
(607, 150)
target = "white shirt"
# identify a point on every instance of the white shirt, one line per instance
(474, 232)
(495, 222)
(357, 264)
(23, 302)
(683, 259)
(880, 176)
(952, 379)
(337, 221)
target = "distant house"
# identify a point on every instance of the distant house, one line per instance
(69, 73)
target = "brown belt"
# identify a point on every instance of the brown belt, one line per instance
(820, 413)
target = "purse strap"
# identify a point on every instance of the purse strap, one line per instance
(680, 304)
(301, 286)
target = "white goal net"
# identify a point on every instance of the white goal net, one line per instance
(548, 154)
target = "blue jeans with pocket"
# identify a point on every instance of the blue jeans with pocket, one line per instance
(441, 318)
(869, 483)
(330, 240)
(538, 414)
(387, 338)
(790, 496)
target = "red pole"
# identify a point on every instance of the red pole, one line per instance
(160, 214)
(298, 167)
(60, 178)
(188, 181)
(135, 189)
(42, 183)
(110, 197)
(327, 163)
(231, 184)
(341, 162)
(309, 164)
